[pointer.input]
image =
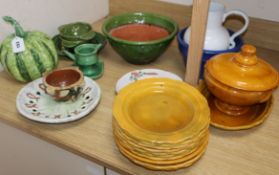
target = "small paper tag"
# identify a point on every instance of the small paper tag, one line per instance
(18, 45)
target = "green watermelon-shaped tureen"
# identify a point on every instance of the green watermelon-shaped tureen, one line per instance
(27, 55)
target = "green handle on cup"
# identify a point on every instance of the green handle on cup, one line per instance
(85, 54)
(70, 55)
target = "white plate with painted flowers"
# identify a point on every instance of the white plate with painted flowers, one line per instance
(136, 75)
(33, 103)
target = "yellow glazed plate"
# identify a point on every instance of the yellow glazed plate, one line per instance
(170, 159)
(257, 116)
(159, 145)
(161, 110)
(154, 148)
(167, 165)
(159, 154)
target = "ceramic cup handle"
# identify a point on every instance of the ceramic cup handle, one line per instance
(43, 87)
(239, 32)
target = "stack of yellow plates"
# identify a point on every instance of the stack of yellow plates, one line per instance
(161, 124)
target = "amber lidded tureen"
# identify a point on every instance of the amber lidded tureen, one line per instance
(242, 86)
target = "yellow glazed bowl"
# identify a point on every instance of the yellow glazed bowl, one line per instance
(233, 95)
(161, 110)
(241, 78)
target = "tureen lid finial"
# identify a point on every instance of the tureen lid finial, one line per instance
(247, 56)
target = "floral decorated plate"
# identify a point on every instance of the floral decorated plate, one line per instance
(135, 75)
(33, 103)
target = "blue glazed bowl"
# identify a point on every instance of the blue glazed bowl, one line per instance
(207, 54)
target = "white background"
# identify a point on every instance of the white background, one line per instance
(264, 9)
(47, 15)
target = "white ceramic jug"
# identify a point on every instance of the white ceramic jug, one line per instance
(217, 36)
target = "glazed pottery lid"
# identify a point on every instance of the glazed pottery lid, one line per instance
(243, 70)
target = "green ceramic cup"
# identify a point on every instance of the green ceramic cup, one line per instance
(140, 52)
(86, 59)
(85, 54)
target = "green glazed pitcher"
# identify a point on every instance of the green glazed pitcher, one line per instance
(86, 59)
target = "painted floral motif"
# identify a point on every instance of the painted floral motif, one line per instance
(136, 75)
(35, 100)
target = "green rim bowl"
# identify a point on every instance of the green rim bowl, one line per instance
(69, 43)
(76, 31)
(140, 52)
(98, 39)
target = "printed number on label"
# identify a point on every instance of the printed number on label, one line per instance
(18, 45)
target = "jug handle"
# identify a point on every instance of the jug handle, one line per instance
(99, 46)
(69, 54)
(239, 32)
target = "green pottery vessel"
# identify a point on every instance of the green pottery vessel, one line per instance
(98, 39)
(38, 54)
(71, 44)
(85, 57)
(78, 31)
(140, 52)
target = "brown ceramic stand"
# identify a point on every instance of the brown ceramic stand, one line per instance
(238, 117)
(232, 110)
(241, 85)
